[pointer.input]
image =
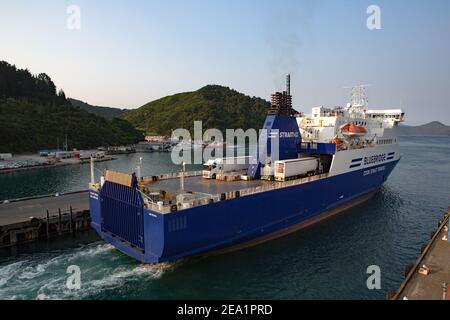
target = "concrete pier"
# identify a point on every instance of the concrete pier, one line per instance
(43, 217)
(429, 277)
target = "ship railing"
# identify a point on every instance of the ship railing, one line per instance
(208, 199)
(276, 185)
(169, 176)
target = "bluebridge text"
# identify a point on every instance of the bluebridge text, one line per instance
(375, 159)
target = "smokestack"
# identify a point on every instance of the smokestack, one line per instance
(288, 84)
(282, 101)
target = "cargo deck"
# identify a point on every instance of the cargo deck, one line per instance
(198, 184)
(206, 191)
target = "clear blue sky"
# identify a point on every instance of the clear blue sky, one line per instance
(130, 52)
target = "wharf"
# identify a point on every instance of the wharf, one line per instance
(436, 258)
(26, 220)
(63, 162)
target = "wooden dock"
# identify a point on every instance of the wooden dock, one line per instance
(429, 277)
(30, 219)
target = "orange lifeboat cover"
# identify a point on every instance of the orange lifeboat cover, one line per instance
(351, 128)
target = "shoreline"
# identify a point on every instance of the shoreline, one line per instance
(54, 165)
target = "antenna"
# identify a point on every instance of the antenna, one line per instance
(358, 95)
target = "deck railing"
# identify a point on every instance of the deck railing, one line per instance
(174, 175)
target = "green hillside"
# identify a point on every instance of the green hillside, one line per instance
(33, 116)
(27, 128)
(218, 107)
(105, 112)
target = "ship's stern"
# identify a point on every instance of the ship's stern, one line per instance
(119, 217)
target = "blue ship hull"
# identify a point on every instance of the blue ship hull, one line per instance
(151, 237)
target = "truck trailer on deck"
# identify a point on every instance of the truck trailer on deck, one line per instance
(212, 168)
(296, 168)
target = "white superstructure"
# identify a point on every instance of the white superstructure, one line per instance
(358, 132)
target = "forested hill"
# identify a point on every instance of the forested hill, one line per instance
(33, 115)
(105, 112)
(216, 106)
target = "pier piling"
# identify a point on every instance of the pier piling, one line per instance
(71, 220)
(59, 221)
(47, 225)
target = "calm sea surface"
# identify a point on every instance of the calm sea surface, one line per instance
(326, 261)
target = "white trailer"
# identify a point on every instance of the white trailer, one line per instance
(217, 166)
(296, 168)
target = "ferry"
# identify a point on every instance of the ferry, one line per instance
(168, 217)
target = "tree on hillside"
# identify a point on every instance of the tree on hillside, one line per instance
(33, 114)
(20, 84)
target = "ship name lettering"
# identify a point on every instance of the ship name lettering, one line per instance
(375, 159)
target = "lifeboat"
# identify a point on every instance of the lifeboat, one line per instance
(351, 130)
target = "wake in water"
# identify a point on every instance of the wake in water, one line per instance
(44, 276)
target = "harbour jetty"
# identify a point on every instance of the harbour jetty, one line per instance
(429, 277)
(32, 161)
(26, 220)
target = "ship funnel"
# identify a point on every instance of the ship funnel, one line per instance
(282, 101)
